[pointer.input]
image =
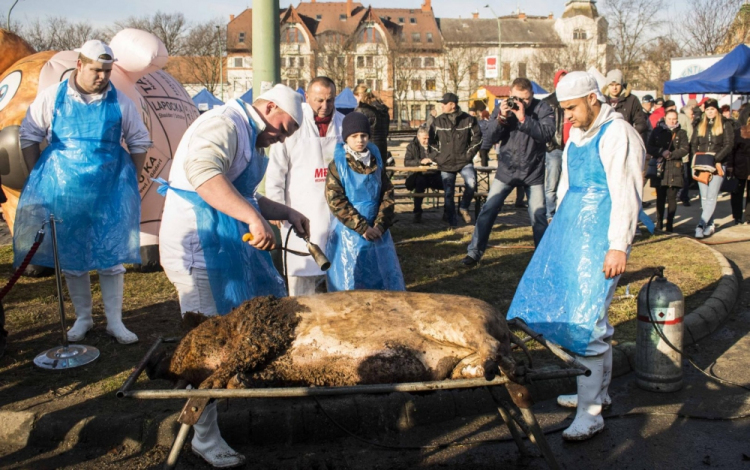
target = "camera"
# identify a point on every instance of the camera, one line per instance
(512, 103)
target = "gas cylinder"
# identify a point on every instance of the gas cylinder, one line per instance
(661, 305)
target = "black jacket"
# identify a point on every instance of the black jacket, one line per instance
(488, 128)
(721, 145)
(676, 141)
(739, 159)
(415, 153)
(631, 109)
(557, 140)
(456, 137)
(377, 114)
(524, 146)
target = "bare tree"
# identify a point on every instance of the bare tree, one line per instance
(631, 27)
(172, 28)
(204, 53)
(332, 58)
(707, 25)
(56, 33)
(655, 68)
(461, 64)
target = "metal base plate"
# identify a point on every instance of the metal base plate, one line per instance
(75, 355)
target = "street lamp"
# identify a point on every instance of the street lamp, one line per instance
(499, 47)
(221, 64)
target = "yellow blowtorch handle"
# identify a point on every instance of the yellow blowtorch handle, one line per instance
(248, 237)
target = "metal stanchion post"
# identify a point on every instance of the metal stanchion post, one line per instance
(66, 356)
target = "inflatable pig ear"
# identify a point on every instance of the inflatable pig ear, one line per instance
(14, 48)
(138, 53)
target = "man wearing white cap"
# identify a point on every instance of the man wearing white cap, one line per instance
(567, 288)
(211, 203)
(88, 181)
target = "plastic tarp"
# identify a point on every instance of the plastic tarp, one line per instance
(729, 75)
(538, 90)
(204, 100)
(301, 92)
(248, 96)
(345, 101)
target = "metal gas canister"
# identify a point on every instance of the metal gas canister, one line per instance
(661, 306)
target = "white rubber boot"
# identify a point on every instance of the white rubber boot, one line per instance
(588, 420)
(208, 443)
(112, 286)
(79, 288)
(571, 401)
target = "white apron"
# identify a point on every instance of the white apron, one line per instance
(296, 177)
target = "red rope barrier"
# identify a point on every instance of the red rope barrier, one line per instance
(17, 274)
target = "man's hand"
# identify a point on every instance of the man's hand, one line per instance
(521, 111)
(504, 109)
(614, 263)
(666, 154)
(300, 223)
(279, 224)
(263, 238)
(425, 161)
(372, 234)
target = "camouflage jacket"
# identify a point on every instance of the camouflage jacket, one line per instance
(344, 210)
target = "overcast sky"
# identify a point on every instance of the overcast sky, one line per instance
(107, 12)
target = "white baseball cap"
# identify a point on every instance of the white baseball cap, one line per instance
(577, 85)
(286, 99)
(95, 49)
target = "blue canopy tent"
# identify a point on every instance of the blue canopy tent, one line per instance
(301, 92)
(729, 75)
(204, 100)
(248, 96)
(345, 102)
(537, 89)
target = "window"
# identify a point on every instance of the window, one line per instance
(238, 62)
(360, 61)
(292, 36)
(370, 35)
(403, 61)
(413, 20)
(378, 84)
(416, 112)
(579, 34)
(318, 17)
(428, 109)
(241, 37)
(401, 19)
(547, 73)
(506, 71)
(416, 37)
(473, 71)
(404, 114)
(522, 70)
(360, 81)
(292, 62)
(416, 85)
(283, 62)
(429, 37)
(429, 61)
(300, 62)
(430, 84)
(342, 17)
(302, 84)
(368, 60)
(416, 62)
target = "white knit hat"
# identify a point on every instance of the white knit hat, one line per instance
(577, 85)
(286, 99)
(95, 49)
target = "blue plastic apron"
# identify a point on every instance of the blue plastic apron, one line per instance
(563, 292)
(355, 262)
(237, 272)
(87, 179)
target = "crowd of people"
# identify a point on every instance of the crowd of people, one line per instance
(578, 156)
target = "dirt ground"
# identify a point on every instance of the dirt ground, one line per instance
(430, 261)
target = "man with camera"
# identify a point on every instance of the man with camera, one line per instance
(525, 125)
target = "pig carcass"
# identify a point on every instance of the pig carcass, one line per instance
(342, 338)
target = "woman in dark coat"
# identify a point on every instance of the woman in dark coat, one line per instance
(714, 135)
(377, 114)
(669, 142)
(738, 165)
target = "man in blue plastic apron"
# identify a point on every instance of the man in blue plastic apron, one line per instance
(567, 288)
(211, 203)
(88, 181)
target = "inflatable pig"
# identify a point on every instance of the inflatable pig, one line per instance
(165, 106)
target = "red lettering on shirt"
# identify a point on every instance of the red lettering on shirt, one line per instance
(320, 174)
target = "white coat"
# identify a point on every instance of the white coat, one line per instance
(296, 177)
